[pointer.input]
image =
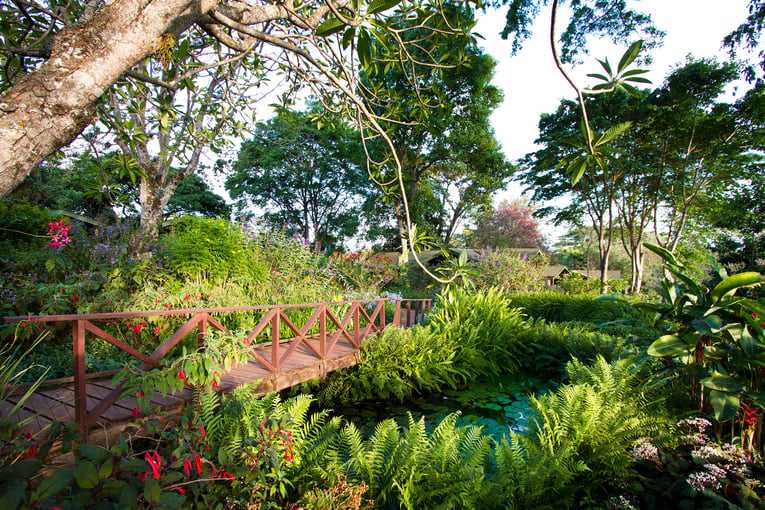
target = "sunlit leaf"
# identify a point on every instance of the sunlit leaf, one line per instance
(630, 55)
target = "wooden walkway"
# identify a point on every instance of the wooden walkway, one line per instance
(296, 361)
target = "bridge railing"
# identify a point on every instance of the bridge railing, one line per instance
(324, 326)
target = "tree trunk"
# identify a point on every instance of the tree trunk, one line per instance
(46, 109)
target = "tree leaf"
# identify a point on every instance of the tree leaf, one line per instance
(612, 133)
(381, 5)
(329, 27)
(576, 169)
(364, 48)
(630, 55)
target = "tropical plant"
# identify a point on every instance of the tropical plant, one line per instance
(482, 326)
(395, 365)
(582, 439)
(716, 338)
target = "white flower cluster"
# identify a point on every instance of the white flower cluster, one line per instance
(643, 450)
(621, 503)
(703, 480)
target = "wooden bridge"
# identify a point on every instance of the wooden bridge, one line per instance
(284, 355)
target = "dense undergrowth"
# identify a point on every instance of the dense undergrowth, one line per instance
(629, 420)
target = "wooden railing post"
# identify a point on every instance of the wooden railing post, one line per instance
(323, 331)
(397, 314)
(275, 339)
(80, 389)
(202, 332)
(409, 312)
(356, 325)
(382, 314)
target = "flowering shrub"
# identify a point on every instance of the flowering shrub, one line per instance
(507, 270)
(59, 232)
(364, 271)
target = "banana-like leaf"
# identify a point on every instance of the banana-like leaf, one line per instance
(692, 286)
(753, 306)
(749, 344)
(663, 253)
(721, 382)
(725, 404)
(669, 345)
(731, 284)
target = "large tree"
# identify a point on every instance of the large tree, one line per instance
(313, 179)
(682, 146)
(450, 159)
(510, 225)
(61, 58)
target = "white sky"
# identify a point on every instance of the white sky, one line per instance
(532, 85)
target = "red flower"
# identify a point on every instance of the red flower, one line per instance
(198, 462)
(31, 452)
(187, 466)
(181, 375)
(136, 413)
(155, 462)
(202, 430)
(215, 384)
(156, 330)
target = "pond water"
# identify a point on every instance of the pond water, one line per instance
(498, 404)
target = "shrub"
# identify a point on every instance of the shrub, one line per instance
(556, 307)
(547, 348)
(509, 271)
(482, 325)
(199, 248)
(395, 365)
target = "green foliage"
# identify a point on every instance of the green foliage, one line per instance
(303, 176)
(507, 270)
(714, 336)
(481, 325)
(395, 365)
(547, 348)
(556, 307)
(582, 438)
(199, 248)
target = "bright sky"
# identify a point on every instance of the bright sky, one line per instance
(532, 85)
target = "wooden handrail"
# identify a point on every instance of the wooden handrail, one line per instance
(199, 319)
